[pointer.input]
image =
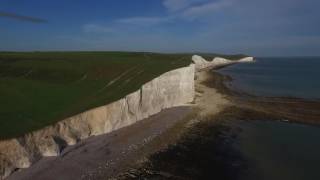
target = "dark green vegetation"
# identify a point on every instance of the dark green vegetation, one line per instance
(40, 88)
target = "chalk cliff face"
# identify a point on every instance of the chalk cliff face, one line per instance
(201, 63)
(173, 88)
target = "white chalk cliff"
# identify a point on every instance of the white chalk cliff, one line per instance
(217, 62)
(174, 88)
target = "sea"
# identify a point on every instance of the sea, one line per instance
(285, 77)
(278, 150)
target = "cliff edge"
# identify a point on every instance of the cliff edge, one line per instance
(217, 62)
(174, 88)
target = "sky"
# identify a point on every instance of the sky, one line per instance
(255, 27)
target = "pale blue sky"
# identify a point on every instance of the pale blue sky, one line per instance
(257, 27)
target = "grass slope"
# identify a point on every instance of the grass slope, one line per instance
(40, 88)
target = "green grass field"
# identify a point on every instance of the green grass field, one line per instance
(40, 88)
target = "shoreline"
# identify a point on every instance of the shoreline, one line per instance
(214, 104)
(214, 137)
(289, 109)
(161, 130)
(171, 89)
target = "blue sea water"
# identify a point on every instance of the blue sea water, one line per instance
(292, 77)
(274, 149)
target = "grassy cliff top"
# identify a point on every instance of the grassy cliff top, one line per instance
(40, 88)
